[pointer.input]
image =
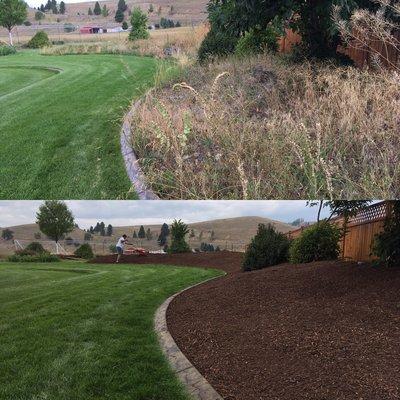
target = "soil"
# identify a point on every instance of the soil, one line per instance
(227, 261)
(321, 331)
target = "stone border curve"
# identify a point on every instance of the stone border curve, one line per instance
(197, 386)
(133, 169)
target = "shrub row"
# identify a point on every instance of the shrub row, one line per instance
(318, 243)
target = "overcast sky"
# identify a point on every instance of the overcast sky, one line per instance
(37, 3)
(122, 213)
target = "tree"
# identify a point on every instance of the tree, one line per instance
(171, 10)
(297, 222)
(39, 15)
(139, 22)
(134, 235)
(165, 229)
(90, 12)
(266, 249)
(109, 230)
(102, 229)
(7, 234)
(122, 6)
(149, 235)
(104, 11)
(178, 243)
(387, 243)
(119, 16)
(97, 9)
(62, 7)
(142, 233)
(151, 9)
(164, 232)
(159, 10)
(12, 13)
(87, 237)
(55, 219)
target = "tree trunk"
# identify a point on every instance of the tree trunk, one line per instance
(10, 37)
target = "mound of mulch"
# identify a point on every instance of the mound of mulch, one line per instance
(227, 261)
(322, 331)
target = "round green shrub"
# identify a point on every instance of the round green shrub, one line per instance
(318, 243)
(6, 50)
(84, 251)
(216, 44)
(39, 40)
(256, 41)
(267, 248)
(35, 247)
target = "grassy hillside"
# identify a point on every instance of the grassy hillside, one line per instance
(187, 12)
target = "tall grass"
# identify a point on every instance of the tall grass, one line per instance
(179, 43)
(264, 128)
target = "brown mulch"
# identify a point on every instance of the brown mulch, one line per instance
(227, 261)
(322, 331)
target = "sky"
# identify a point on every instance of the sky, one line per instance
(125, 213)
(37, 3)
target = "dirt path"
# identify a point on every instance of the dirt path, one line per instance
(323, 331)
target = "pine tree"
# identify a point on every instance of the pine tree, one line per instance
(151, 9)
(97, 9)
(119, 16)
(104, 11)
(90, 12)
(149, 235)
(62, 8)
(109, 230)
(134, 235)
(122, 5)
(139, 22)
(102, 229)
(142, 233)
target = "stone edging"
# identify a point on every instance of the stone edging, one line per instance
(131, 161)
(195, 383)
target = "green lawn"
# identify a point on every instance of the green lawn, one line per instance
(60, 126)
(78, 331)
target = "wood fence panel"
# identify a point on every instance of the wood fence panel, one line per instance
(362, 55)
(357, 244)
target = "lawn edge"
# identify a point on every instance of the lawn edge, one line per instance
(132, 166)
(196, 384)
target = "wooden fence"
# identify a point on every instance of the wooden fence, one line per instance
(362, 55)
(357, 244)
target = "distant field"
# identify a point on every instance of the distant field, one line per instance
(80, 331)
(60, 124)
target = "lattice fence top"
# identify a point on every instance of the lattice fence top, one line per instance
(372, 213)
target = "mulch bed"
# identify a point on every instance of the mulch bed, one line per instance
(322, 331)
(227, 261)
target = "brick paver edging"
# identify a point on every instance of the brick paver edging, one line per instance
(195, 383)
(131, 161)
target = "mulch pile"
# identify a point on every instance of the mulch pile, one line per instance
(227, 261)
(323, 331)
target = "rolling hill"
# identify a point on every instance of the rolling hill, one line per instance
(230, 234)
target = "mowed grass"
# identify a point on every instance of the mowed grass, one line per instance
(60, 126)
(81, 331)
